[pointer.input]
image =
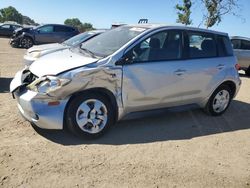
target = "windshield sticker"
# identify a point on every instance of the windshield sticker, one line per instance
(137, 29)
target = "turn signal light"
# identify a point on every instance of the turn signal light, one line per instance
(53, 103)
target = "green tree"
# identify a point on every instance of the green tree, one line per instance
(10, 14)
(216, 9)
(28, 21)
(75, 22)
(87, 26)
(184, 12)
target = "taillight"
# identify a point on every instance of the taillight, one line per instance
(237, 66)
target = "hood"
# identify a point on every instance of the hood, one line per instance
(60, 61)
(45, 47)
(24, 29)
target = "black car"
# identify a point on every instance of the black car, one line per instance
(50, 33)
(7, 29)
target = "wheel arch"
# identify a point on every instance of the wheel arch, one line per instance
(28, 35)
(231, 85)
(103, 91)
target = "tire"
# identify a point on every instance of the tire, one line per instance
(26, 42)
(219, 101)
(247, 72)
(89, 115)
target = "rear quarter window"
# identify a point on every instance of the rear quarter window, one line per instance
(224, 46)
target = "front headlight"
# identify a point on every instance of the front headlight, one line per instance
(48, 84)
(35, 54)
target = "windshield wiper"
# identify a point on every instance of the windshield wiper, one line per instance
(89, 52)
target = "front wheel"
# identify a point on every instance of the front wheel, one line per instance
(26, 42)
(89, 115)
(219, 101)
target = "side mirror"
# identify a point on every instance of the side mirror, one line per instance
(124, 60)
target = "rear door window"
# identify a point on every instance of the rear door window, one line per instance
(201, 45)
(63, 29)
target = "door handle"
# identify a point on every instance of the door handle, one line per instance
(220, 66)
(180, 72)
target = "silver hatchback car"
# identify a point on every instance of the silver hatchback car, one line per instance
(128, 69)
(241, 46)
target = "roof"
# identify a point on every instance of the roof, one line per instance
(155, 26)
(56, 25)
(97, 31)
(10, 23)
(239, 37)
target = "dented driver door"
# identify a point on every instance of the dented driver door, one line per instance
(151, 85)
(154, 76)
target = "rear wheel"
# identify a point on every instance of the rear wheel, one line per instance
(89, 115)
(26, 42)
(219, 101)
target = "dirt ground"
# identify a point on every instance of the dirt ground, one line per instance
(171, 148)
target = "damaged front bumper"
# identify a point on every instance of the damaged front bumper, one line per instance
(44, 112)
(15, 40)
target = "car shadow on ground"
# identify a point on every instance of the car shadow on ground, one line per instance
(5, 85)
(163, 125)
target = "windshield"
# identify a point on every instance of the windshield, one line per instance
(78, 39)
(110, 41)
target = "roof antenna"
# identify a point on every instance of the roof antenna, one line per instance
(143, 21)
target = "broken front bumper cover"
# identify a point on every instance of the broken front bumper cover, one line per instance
(38, 111)
(35, 107)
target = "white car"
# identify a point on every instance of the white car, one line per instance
(40, 50)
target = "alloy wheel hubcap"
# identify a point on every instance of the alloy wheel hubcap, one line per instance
(26, 43)
(92, 116)
(221, 101)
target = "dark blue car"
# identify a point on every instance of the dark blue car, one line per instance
(50, 33)
(7, 29)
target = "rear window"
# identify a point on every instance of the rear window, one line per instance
(5, 26)
(201, 45)
(224, 46)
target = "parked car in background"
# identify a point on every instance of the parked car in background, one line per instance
(50, 33)
(7, 29)
(128, 69)
(36, 52)
(241, 47)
